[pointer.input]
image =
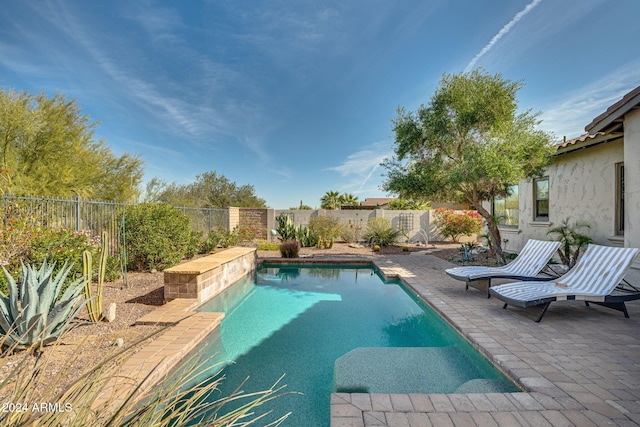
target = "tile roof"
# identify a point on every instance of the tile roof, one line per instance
(615, 112)
(587, 140)
(373, 201)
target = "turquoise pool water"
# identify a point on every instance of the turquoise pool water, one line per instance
(337, 328)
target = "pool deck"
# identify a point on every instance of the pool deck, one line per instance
(580, 366)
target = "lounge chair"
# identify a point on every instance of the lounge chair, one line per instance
(595, 278)
(528, 265)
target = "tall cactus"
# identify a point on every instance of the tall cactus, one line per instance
(94, 306)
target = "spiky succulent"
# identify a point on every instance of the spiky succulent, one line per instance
(32, 315)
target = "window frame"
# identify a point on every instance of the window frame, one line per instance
(505, 199)
(619, 199)
(536, 201)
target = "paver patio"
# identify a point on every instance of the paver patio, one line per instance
(580, 366)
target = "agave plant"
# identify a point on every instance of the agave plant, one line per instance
(32, 316)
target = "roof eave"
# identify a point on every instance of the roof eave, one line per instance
(587, 141)
(615, 113)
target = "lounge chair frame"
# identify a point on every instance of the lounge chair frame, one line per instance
(482, 281)
(614, 299)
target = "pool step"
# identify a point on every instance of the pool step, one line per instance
(407, 370)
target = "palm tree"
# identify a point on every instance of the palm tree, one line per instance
(572, 241)
(330, 200)
(347, 199)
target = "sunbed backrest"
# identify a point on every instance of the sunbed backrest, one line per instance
(532, 258)
(600, 269)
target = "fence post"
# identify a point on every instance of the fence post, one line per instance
(233, 220)
(77, 213)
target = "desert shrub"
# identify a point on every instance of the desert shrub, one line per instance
(350, 232)
(179, 398)
(193, 247)
(248, 232)
(379, 232)
(266, 245)
(17, 230)
(216, 237)
(157, 236)
(58, 247)
(113, 271)
(289, 249)
(452, 225)
(326, 229)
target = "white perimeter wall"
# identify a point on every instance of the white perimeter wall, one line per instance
(418, 220)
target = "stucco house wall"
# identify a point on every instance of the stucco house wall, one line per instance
(632, 179)
(583, 182)
(581, 187)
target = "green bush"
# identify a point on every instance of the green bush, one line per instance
(248, 232)
(350, 232)
(379, 232)
(113, 270)
(157, 236)
(289, 249)
(326, 229)
(194, 245)
(60, 247)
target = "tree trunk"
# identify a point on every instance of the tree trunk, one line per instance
(494, 232)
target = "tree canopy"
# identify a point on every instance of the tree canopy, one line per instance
(470, 143)
(209, 190)
(48, 148)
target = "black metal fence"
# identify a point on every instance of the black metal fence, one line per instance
(97, 216)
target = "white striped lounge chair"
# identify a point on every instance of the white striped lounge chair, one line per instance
(594, 278)
(528, 265)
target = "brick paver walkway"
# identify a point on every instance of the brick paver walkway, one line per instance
(579, 367)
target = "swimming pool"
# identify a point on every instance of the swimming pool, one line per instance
(338, 328)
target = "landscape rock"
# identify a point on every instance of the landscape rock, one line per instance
(109, 315)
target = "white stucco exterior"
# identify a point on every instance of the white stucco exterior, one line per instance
(583, 182)
(581, 187)
(632, 179)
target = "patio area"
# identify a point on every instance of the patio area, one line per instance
(580, 366)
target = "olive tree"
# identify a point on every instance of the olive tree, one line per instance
(469, 144)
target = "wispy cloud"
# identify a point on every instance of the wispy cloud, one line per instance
(577, 108)
(503, 31)
(359, 167)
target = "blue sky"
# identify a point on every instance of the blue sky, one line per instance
(296, 97)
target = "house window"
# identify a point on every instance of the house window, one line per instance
(541, 194)
(507, 209)
(619, 199)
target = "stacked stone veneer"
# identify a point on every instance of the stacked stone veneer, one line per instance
(206, 277)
